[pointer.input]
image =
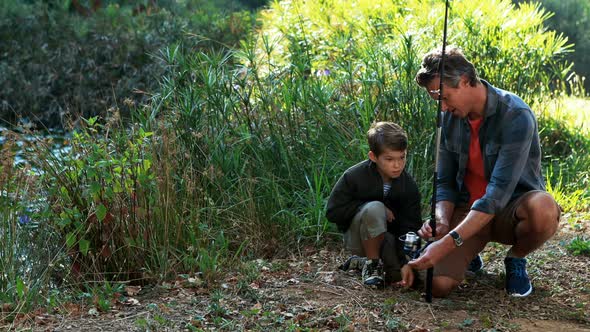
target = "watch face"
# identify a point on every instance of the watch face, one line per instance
(457, 238)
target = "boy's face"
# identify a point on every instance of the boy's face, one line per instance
(390, 163)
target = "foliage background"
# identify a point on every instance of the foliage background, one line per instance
(57, 65)
(242, 129)
(572, 18)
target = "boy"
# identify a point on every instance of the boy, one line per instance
(374, 203)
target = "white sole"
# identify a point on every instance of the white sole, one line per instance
(523, 295)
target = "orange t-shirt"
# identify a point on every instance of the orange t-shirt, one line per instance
(475, 180)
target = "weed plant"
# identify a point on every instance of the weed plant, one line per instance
(579, 246)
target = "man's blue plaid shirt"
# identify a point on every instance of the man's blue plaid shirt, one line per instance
(511, 151)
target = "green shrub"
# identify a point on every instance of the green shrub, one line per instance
(102, 204)
(57, 66)
(565, 161)
(572, 18)
(509, 46)
(579, 246)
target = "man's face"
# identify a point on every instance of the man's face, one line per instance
(454, 100)
(390, 163)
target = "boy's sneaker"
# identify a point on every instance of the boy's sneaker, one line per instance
(475, 265)
(372, 274)
(517, 280)
(353, 263)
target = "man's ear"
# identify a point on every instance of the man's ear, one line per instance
(464, 81)
(372, 156)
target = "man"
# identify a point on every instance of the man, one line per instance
(490, 186)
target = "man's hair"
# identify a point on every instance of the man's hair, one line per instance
(388, 135)
(456, 65)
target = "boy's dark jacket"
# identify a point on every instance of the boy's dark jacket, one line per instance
(362, 183)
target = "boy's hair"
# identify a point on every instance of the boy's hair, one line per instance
(456, 65)
(388, 135)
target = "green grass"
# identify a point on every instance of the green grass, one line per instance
(574, 111)
(579, 246)
(565, 136)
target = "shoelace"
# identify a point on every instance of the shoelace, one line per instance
(518, 268)
(373, 270)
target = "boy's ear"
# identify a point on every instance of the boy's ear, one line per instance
(372, 156)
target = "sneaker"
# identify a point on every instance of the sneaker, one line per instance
(372, 274)
(475, 265)
(517, 280)
(353, 263)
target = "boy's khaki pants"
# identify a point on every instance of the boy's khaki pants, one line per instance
(369, 222)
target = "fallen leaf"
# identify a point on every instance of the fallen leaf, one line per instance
(132, 290)
(131, 301)
(420, 329)
(43, 320)
(93, 312)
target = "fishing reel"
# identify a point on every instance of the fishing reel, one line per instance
(412, 245)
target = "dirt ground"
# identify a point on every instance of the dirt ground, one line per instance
(306, 292)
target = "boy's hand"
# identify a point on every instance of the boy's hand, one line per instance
(426, 231)
(407, 276)
(390, 216)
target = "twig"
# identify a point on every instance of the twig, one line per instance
(131, 316)
(431, 312)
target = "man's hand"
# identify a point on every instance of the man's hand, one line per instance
(426, 231)
(390, 216)
(433, 254)
(407, 276)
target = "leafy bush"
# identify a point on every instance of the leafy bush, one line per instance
(579, 246)
(100, 194)
(57, 66)
(509, 46)
(565, 140)
(572, 18)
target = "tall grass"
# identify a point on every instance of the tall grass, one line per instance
(565, 136)
(28, 247)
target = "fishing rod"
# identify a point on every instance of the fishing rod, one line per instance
(432, 222)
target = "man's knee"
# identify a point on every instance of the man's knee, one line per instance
(541, 214)
(442, 286)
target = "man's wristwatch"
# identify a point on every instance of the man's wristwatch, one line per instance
(457, 238)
